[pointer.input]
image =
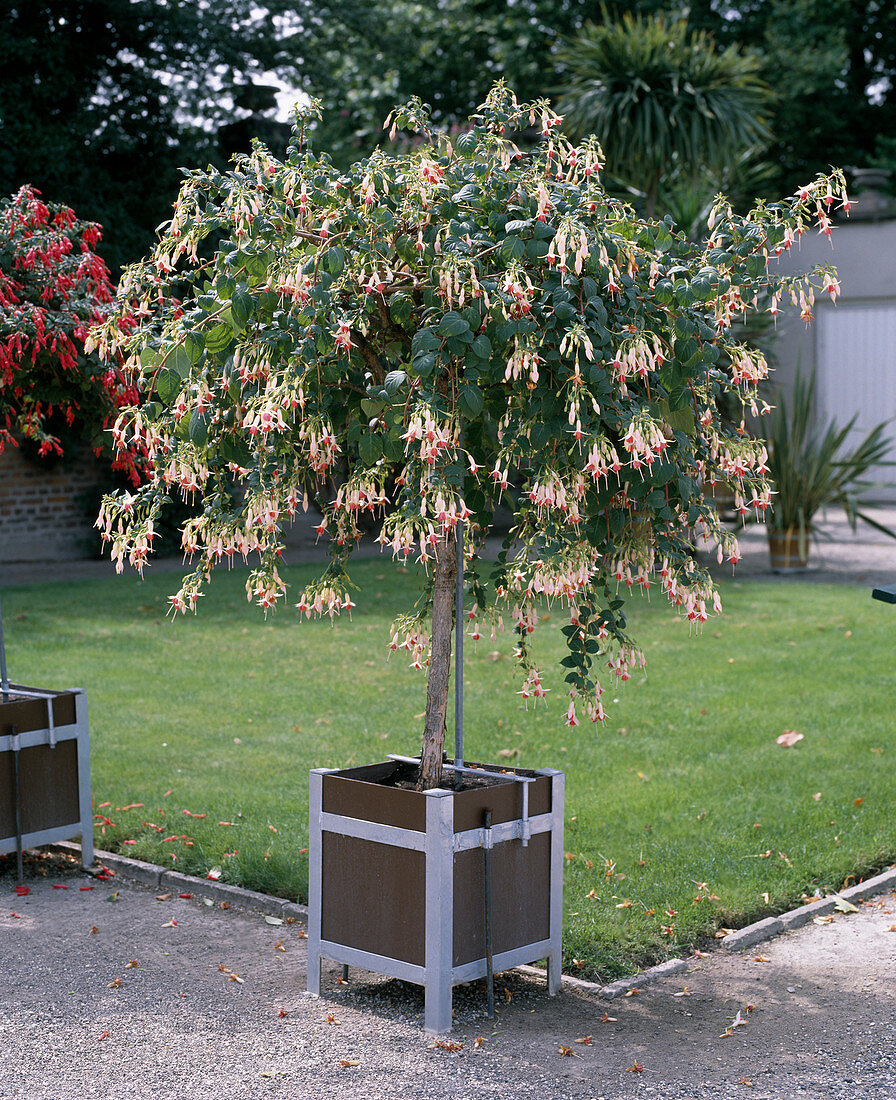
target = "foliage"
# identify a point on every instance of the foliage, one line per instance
(53, 287)
(479, 325)
(663, 101)
(811, 466)
(103, 100)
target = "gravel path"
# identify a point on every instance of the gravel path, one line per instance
(107, 993)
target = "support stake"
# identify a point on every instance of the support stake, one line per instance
(17, 801)
(489, 956)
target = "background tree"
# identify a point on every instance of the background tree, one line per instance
(102, 101)
(663, 101)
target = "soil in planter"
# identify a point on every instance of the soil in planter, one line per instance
(405, 777)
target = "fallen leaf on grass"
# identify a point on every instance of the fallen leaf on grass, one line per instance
(858, 801)
(788, 738)
(214, 874)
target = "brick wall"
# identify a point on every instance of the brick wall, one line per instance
(43, 514)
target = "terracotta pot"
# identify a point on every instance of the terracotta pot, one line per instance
(788, 550)
(397, 877)
(44, 770)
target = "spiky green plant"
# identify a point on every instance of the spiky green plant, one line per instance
(811, 468)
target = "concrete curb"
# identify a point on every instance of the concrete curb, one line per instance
(160, 878)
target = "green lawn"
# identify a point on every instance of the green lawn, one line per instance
(223, 714)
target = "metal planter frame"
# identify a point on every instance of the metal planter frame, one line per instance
(45, 749)
(438, 884)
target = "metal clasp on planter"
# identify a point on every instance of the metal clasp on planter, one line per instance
(525, 827)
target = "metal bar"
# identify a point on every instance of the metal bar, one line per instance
(17, 802)
(345, 972)
(465, 768)
(439, 936)
(459, 640)
(555, 955)
(84, 800)
(377, 964)
(372, 830)
(489, 960)
(504, 960)
(502, 832)
(4, 679)
(886, 592)
(315, 860)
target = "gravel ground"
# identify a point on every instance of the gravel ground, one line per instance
(111, 994)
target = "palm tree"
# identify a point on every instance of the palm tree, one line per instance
(663, 101)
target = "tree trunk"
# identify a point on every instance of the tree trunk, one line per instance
(439, 663)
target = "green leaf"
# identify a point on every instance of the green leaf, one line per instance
(194, 345)
(168, 384)
(393, 382)
(372, 408)
(334, 260)
(470, 401)
(512, 248)
(370, 448)
(199, 428)
(453, 324)
(149, 360)
(241, 306)
(425, 340)
(482, 347)
(218, 338)
(179, 361)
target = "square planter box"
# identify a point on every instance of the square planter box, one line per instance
(48, 730)
(397, 877)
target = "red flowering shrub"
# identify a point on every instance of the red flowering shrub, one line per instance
(53, 287)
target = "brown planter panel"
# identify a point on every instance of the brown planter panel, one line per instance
(374, 897)
(31, 714)
(520, 897)
(49, 782)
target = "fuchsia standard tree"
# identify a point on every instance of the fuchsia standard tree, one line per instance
(437, 332)
(53, 287)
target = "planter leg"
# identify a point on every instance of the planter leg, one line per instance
(555, 955)
(86, 808)
(439, 851)
(315, 858)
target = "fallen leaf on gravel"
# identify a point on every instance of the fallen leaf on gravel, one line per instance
(18, 916)
(892, 927)
(636, 1067)
(586, 1040)
(282, 1013)
(115, 983)
(278, 946)
(478, 1041)
(163, 897)
(605, 1019)
(303, 935)
(93, 930)
(632, 992)
(788, 739)
(348, 1062)
(273, 920)
(822, 920)
(23, 891)
(745, 1081)
(170, 924)
(447, 1044)
(113, 897)
(331, 1019)
(723, 932)
(684, 993)
(131, 965)
(59, 886)
(567, 1052)
(88, 888)
(761, 959)
(844, 906)
(102, 1035)
(700, 955)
